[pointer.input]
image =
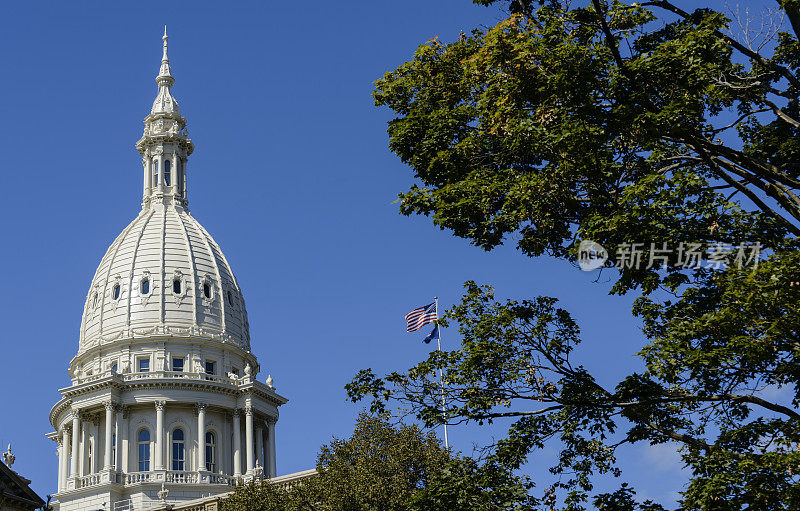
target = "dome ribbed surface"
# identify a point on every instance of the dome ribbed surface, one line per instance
(164, 275)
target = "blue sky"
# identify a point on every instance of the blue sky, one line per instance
(291, 175)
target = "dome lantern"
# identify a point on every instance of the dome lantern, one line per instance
(165, 145)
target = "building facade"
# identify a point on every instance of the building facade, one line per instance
(163, 393)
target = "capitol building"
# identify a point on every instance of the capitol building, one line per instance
(164, 403)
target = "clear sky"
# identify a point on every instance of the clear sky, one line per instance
(291, 175)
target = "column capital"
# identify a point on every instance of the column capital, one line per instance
(76, 413)
(160, 405)
(248, 410)
(200, 407)
(270, 420)
(110, 406)
(236, 412)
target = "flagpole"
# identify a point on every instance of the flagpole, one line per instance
(441, 377)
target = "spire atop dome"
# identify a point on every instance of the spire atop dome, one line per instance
(164, 77)
(165, 145)
(164, 101)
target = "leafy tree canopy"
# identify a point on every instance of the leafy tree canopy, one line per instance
(386, 468)
(632, 125)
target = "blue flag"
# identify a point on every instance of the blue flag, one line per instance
(433, 335)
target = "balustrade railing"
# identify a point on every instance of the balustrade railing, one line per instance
(138, 477)
(182, 477)
(90, 480)
(161, 375)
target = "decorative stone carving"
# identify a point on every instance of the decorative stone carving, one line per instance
(8, 457)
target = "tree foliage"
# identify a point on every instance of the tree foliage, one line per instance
(382, 467)
(633, 125)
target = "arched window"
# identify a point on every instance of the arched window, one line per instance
(206, 289)
(179, 173)
(155, 173)
(178, 450)
(115, 292)
(176, 286)
(145, 286)
(143, 441)
(211, 451)
(167, 172)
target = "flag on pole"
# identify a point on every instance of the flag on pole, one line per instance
(420, 317)
(433, 335)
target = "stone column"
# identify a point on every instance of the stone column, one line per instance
(273, 472)
(237, 444)
(159, 447)
(76, 438)
(109, 435)
(126, 444)
(118, 439)
(248, 425)
(60, 453)
(84, 442)
(260, 447)
(147, 171)
(64, 474)
(201, 437)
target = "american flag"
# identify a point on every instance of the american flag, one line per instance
(420, 317)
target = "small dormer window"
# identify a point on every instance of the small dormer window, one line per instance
(207, 290)
(94, 300)
(167, 172)
(230, 298)
(145, 286)
(115, 292)
(176, 286)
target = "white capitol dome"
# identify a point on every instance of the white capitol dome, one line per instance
(164, 397)
(164, 274)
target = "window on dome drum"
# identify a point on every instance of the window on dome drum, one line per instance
(89, 459)
(167, 172)
(143, 441)
(211, 367)
(144, 365)
(145, 286)
(235, 370)
(176, 286)
(177, 364)
(113, 451)
(115, 292)
(206, 289)
(155, 173)
(114, 367)
(178, 450)
(211, 451)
